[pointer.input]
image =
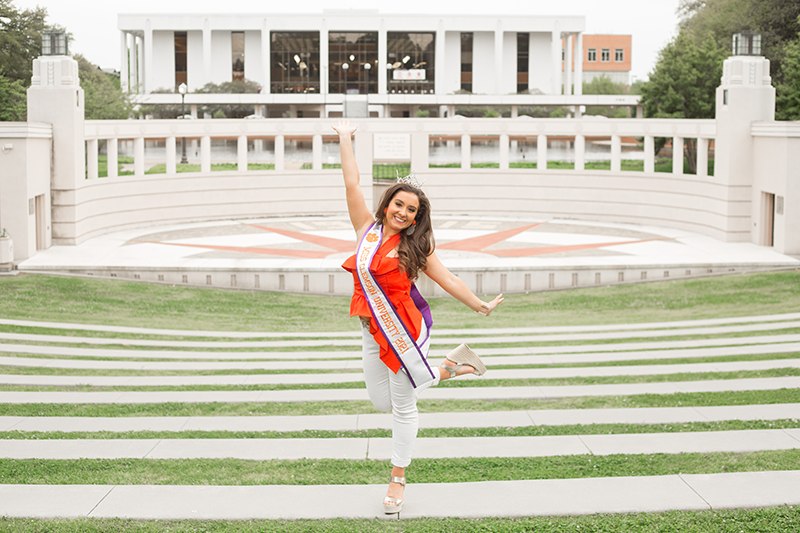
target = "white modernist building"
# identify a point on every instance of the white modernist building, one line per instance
(312, 64)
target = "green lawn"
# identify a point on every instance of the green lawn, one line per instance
(769, 520)
(116, 302)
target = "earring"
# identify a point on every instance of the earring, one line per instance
(410, 230)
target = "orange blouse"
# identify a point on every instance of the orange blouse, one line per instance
(397, 286)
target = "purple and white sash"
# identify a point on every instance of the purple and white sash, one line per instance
(412, 353)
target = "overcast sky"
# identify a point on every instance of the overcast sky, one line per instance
(93, 23)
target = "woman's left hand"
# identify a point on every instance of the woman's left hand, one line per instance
(487, 308)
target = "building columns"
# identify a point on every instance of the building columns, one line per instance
(382, 58)
(556, 61)
(568, 62)
(579, 55)
(266, 76)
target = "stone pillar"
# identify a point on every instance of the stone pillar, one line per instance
(241, 153)
(568, 66)
(382, 58)
(112, 157)
(123, 69)
(138, 156)
(171, 146)
(578, 56)
(498, 60)
(677, 155)
(541, 152)
(580, 152)
(206, 75)
(440, 82)
(316, 152)
(55, 97)
(702, 157)
(279, 151)
(205, 153)
(616, 153)
(266, 44)
(466, 148)
(649, 154)
(324, 58)
(147, 58)
(745, 96)
(91, 159)
(555, 51)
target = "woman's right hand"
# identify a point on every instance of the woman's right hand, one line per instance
(343, 128)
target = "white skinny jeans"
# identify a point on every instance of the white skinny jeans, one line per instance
(393, 392)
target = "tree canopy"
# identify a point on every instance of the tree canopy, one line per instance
(103, 98)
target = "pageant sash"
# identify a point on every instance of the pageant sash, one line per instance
(411, 353)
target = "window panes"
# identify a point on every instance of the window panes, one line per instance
(410, 61)
(466, 61)
(237, 55)
(353, 62)
(592, 55)
(180, 58)
(294, 65)
(523, 46)
(605, 55)
(619, 55)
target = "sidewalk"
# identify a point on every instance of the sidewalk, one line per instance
(380, 449)
(433, 393)
(466, 500)
(544, 417)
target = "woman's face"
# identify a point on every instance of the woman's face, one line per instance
(402, 210)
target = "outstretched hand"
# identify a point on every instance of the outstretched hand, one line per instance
(487, 308)
(344, 128)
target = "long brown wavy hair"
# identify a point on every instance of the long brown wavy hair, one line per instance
(413, 250)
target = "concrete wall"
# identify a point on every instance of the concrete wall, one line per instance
(484, 79)
(776, 170)
(252, 56)
(539, 60)
(25, 156)
(164, 63)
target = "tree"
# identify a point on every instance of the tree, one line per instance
(683, 84)
(103, 98)
(787, 99)
(20, 40)
(13, 99)
(604, 85)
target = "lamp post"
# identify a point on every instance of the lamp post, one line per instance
(182, 89)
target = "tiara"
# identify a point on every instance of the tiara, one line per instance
(411, 179)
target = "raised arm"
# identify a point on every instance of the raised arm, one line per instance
(456, 287)
(360, 215)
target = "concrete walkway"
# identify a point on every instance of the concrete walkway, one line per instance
(356, 332)
(352, 377)
(436, 339)
(424, 448)
(467, 500)
(434, 393)
(602, 352)
(544, 417)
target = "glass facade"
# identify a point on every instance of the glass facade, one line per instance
(523, 48)
(237, 55)
(294, 65)
(466, 62)
(180, 58)
(353, 62)
(410, 62)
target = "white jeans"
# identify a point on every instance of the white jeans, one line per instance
(393, 392)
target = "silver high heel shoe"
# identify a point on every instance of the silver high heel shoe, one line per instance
(394, 505)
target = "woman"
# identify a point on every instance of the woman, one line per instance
(396, 245)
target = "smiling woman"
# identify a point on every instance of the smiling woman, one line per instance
(395, 245)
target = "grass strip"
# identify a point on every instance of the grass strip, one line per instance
(117, 302)
(768, 520)
(55, 371)
(238, 472)
(472, 383)
(524, 431)
(679, 399)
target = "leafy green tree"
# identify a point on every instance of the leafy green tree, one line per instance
(20, 40)
(604, 85)
(13, 99)
(788, 90)
(103, 98)
(683, 84)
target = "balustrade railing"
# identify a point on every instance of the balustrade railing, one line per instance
(287, 145)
